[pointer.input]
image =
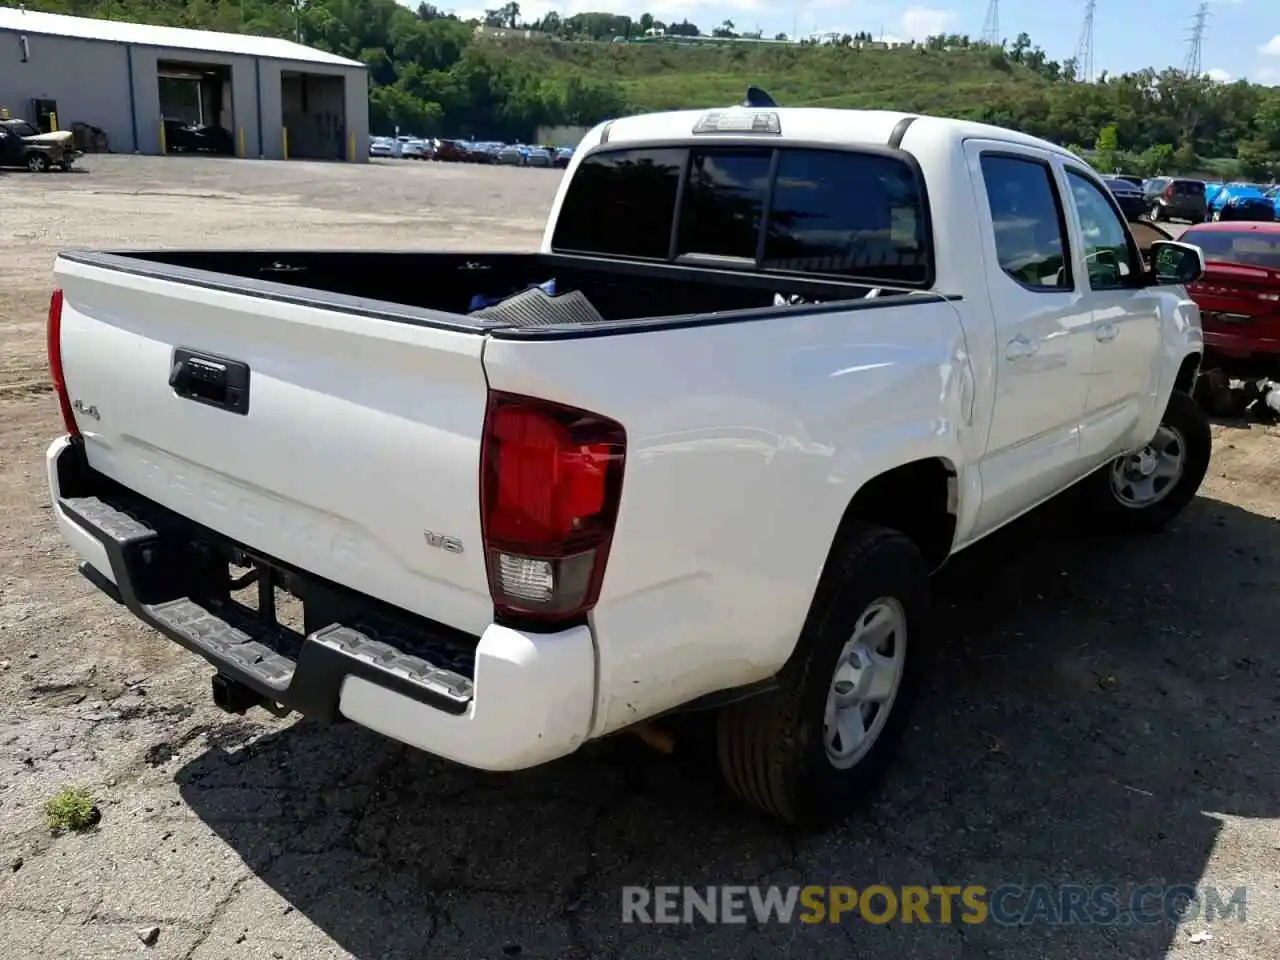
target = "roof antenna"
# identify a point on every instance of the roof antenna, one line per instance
(758, 98)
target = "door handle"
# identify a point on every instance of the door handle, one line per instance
(1019, 348)
(1106, 332)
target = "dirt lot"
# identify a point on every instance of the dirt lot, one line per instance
(1102, 712)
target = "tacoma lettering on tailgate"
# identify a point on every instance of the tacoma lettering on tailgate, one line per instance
(304, 531)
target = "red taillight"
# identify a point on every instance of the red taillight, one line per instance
(550, 484)
(1168, 192)
(54, 333)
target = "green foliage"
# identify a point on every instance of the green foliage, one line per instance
(71, 809)
(434, 74)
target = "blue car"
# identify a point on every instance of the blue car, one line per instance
(1239, 201)
(1273, 194)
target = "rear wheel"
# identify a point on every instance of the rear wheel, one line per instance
(1142, 491)
(808, 752)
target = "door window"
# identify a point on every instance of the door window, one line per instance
(1030, 230)
(1109, 258)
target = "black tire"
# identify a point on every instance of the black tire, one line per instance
(1154, 215)
(772, 749)
(1191, 427)
(37, 163)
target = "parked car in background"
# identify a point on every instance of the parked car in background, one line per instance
(1240, 201)
(22, 145)
(181, 136)
(1175, 198)
(486, 152)
(513, 155)
(562, 157)
(411, 148)
(1239, 294)
(1128, 197)
(1132, 178)
(381, 147)
(538, 157)
(450, 151)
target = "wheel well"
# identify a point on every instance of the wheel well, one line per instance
(917, 499)
(1186, 378)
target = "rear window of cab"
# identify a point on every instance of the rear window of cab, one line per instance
(839, 213)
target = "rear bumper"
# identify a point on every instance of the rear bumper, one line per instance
(1242, 345)
(1256, 213)
(503, 701)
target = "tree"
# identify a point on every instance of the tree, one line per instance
(1108, 140)
(1185, 159)
(1256, 160)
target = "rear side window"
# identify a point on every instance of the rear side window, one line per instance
(847, 213)
(621, 203)
(1026, 212)
(816, 212)
(1190, 188)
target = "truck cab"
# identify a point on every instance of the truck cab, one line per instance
(770, 368)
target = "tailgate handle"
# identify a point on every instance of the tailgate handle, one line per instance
(211, 380)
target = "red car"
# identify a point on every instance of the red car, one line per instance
(1239, 294)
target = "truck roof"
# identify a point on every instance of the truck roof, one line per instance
(821, 125)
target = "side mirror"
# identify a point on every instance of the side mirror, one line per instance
(1173, 262)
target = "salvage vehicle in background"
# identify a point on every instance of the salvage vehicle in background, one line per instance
(1239, 296)
(450, 151)
(921, 330)
(22, 145)
(1175, 198)
(182, 136)
(1239, 201)
(1130, 199)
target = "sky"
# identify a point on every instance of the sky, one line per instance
(1241, 37)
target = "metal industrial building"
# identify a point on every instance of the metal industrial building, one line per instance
(277, 99)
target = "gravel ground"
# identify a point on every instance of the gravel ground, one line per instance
(1101, 712)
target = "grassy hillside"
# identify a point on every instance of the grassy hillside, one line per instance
(661, 77)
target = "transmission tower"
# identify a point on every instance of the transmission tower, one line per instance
(1084, 47)
(991, 25)
(1195, 41)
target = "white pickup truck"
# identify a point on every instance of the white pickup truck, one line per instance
(770, 368)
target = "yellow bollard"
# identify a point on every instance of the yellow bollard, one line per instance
(164, 147)
(242, 143)
(53, 122)
(284, 141)
(351, 148)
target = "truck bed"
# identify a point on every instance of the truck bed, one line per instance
(437, 289)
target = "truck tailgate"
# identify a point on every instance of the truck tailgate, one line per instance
(356, 459)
